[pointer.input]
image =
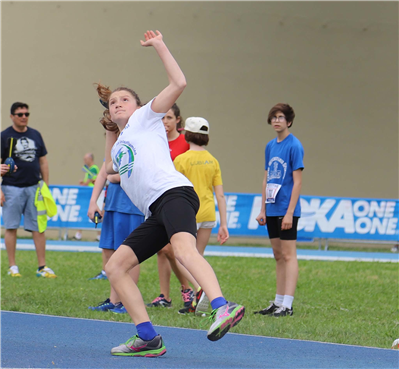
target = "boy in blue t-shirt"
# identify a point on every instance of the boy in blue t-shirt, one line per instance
(281, 207)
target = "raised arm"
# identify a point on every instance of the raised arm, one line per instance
(177, 81)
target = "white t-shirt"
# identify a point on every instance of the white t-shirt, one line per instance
(142, 158)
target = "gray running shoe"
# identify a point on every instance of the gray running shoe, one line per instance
(226, 317)
(135, 346)
(202, 302)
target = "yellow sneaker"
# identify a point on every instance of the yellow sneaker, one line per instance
(46, 272)
(14, 271)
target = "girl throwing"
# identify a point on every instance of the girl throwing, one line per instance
(141, 156)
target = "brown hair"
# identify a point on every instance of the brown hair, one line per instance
(176, 112)
(105, 93)
(196, 138)
(285, 109)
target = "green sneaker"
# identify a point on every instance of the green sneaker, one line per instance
(226, 317)
(135, 346)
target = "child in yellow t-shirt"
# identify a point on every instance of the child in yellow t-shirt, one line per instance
(203, 171)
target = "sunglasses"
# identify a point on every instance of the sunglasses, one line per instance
(22, 114)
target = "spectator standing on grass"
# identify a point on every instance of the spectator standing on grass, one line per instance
(281, 207)
(120, 217)
(165, 258)
(26, 146)
(91, 172)
(203, 171)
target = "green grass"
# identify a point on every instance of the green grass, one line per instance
(341, 302)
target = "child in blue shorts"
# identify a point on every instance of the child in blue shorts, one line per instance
(121, 216)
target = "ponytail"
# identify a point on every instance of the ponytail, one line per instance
(104, 93)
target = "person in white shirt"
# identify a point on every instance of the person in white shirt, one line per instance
(140, 154)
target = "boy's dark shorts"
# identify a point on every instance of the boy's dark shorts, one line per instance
(173, 212)
(274, 228)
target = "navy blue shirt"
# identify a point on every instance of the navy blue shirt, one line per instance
(283, 158)
(28, 147)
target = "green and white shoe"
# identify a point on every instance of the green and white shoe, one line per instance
(226, 317)
(135, 346)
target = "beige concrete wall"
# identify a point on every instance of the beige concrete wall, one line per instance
(336, 63)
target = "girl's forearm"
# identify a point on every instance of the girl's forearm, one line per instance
(175, 74)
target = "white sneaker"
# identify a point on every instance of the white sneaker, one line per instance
(46, 272)
(13, 271)
(98, 238)
(78, 236)
(202, 302)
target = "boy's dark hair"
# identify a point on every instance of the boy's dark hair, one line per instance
(18, 105)
(285, 109)
(196, 138)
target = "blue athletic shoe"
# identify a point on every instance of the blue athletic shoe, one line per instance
(100, 275)
(103, 306)
(119, 309)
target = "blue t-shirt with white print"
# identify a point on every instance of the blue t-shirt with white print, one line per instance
(282, 158)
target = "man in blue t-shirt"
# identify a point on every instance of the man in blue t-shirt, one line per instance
(26, 147)
(281, 207)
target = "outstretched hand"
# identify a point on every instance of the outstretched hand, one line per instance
(151, 38)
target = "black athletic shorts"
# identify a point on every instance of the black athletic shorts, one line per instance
(274, 228)
(171, 213)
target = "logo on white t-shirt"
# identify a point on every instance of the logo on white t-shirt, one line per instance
(125, 159)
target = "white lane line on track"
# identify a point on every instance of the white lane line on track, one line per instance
(73, 248)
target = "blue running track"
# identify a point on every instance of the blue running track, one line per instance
(42, 341)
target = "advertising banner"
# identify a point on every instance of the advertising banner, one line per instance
(322, 217)
(72, 206)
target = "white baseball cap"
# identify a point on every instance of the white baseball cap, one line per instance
(197, 125)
